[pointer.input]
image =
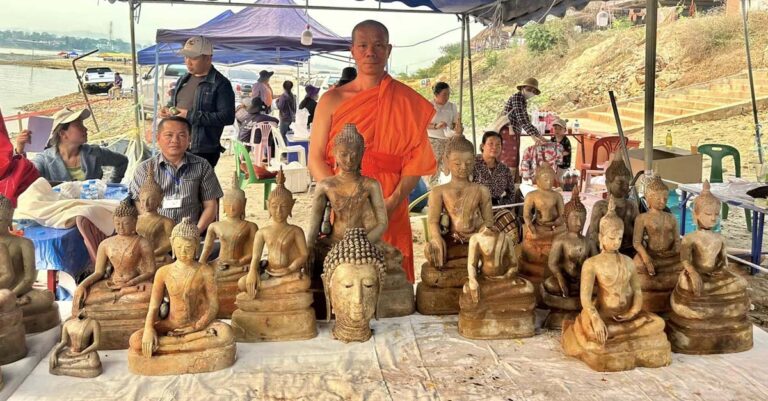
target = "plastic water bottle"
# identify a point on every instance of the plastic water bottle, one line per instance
(576, 127)
(85, 191)
(668, 139)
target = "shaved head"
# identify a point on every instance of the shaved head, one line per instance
(369, 23)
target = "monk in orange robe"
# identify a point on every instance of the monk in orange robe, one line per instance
(393, 120)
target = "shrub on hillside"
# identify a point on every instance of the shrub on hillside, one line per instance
(540, 37)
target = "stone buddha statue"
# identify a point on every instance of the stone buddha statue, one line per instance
(276, 304)
(356, 202)
(188, 339)
(560, 291)
(235, 235)
(151, 225)
(117, 292)
(612, 332)
(37, 306)
(457, 210)
(495, 303)
(543, 216)
(13, 345)
(617, 179)
(709, 303)
(352, 275)
(75, 355)
(657, 242)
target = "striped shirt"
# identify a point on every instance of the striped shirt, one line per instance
(194, 181)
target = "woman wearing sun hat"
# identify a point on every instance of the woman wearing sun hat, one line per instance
(68, 156)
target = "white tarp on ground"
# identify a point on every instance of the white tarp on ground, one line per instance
(417, 358)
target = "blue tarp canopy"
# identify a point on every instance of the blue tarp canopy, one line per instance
(168, 54)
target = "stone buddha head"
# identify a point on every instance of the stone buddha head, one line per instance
(150, 193)
(125, 217)
(617, 177)
(706, 208)
(575, 213)
(459, 157)
(545, 176)
(353, 272)
(233, 201)
(280, 202)
(656, 193)
(6, 215)
(185, 239)
(611, 229)
(348, 148)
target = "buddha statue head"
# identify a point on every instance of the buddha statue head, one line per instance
(706, 208)
(125, 217)
(150, 193)
(459, 156)
(353, 272)
(280, 202)
(611, 229)
(185, 238)
(233, 200)
(545, 176)
(348, 148)
(6, 215)
(575, 213)
(656, 193)
(618, 176)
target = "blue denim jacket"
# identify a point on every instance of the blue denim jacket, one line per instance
(212, 110)
(92, 158)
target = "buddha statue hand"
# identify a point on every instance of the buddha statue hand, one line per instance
(252, 283)
(436, 252)
(623, 317)
(531, 230)
(600, 330)
(562, 283)
(694, 278)
(149, 342)
(23, 300)
(183, 330)
(78, 299)
(473, 289)
(648, 264)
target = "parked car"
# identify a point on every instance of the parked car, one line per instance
(242, 81)
(98, 79)
(169, 75)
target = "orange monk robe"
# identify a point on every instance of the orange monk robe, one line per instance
(393, 119)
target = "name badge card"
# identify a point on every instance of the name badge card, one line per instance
(172, 203)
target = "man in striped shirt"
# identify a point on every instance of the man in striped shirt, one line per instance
(189, 184)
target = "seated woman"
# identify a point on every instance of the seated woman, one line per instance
(69, 157)
(492, 172)
(310, 102)
(257, 113)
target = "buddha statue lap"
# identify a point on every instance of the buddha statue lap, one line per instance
(710, 303)
(13, 345)
(188, 339)
(117, 293)
(495, 303)
(457, 210)
(75, 355)
(38, 308)
(151, 225)
(612, 332)
(235, 236)
(560, 291)
(276, 304)
(657, 242)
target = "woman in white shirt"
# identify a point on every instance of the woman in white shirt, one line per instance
(445, 124)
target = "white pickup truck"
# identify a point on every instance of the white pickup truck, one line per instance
(98, 79)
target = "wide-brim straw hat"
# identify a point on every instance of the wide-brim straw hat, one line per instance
(531, 82)
(66, 115)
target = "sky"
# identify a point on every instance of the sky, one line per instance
(91, 18)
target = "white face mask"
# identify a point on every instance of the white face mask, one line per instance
(528, 93)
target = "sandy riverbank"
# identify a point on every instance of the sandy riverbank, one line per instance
(66, 64)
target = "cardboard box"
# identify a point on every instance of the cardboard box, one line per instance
(675, 164)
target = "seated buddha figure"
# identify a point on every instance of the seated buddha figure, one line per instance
(13, 345)
(188, 339)
(709, 303)
(543, 216)
(457, 210)
(617, 179)
(612, 332)
(235, 235)
(495, 303)
(153, 226)
(76, 354)
(657, 242)
(353, 272)
(560, 291)
(39, 310)
(117, 293)
(276, 305)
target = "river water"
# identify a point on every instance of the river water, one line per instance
(20, 85)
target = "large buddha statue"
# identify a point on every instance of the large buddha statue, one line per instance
(657, 242)
(151, 225)
(709, 303)
(543, 216)
(560, 291)
(188, 339)
(356, 202)
(352, 275)
(235, 235)
(612, 332)
(276, 304)
(117, 293)
(617, 179)
(495, 303)
(76, 354)
(13, 345)
(457, 210)
(39, 310)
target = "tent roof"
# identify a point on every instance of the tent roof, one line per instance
(168, 54)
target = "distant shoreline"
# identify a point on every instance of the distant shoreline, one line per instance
(62, 63)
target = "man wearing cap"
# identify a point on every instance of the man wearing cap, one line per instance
(68, 156)
(205, 98)
(263, 90)
(516, 111)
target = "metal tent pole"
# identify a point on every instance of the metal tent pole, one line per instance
(650, 80)
(133, 63)
(461, 67)
(155, 101)
(471, 87)
(752, 84)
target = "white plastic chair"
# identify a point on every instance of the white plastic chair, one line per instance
(229, 135)
(260, 151)
(281, 148)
